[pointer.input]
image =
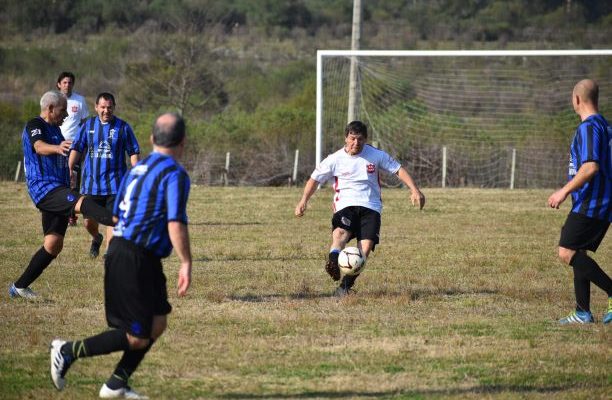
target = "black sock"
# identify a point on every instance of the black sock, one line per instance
(96, 212)
(103, 343)
(333, 256)
(127, 365)
(40, 260)
(348, 281)
(590, 270)
(582, 290)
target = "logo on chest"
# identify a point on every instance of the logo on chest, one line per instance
(371, 168)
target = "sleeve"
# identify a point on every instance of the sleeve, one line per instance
(177, 193)
(36, 131)
(591, 137)
(84, 110)
(80, 140)
(389, 163)
(131, 146)
(325, 170)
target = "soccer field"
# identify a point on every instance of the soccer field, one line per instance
(458, 301)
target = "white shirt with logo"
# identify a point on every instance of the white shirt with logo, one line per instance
(356, 178)
(77, 111)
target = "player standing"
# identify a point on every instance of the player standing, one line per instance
(151, 206)
(357, 196)
(101, 145)
(590, 185)
(77, 114)
(48, 180)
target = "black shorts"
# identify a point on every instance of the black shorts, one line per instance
(107, 202)
(361, 222)
(56, 207)
(134, 288)
(582, 233)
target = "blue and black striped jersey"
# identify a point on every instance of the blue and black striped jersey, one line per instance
(43, 173)
(152, 194)
(593, 142)
(103, 148)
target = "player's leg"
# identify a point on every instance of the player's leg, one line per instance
(578, 235)
(54, 227)
(96, 237)
(72, 220)
(342, 233)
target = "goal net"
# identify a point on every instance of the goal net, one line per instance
(462, 118)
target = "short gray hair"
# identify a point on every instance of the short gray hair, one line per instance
(52, 97)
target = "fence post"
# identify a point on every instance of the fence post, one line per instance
(444, 166)
(295, 166)
(226, 170)
(512, 169)
(18, 171)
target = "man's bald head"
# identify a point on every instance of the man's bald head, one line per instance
(169, 130)
(588, 91)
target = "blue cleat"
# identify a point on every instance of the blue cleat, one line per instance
(607, 318)
(26, 293)
(578, 317)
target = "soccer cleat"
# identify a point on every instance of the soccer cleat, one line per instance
(59, 364)
(333, 269)
(25, 293)
(94, 250)
(72, 220)
(345, 286)
(607, 318)
(578, 317)
(121, 393)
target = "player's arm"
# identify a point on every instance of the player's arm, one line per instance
(585, 173)
(134, 159)
(309, 190)
(416, 197)
(45, 149)
(179, 236)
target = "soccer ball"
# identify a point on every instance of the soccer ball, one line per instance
(351, 261)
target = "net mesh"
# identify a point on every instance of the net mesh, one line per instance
(481, 109)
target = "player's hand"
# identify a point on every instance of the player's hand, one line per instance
(300, 209)
(184, 279)
(64, 147)
(417, 198)
(555, 199)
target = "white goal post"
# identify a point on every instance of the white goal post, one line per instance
(471, 100)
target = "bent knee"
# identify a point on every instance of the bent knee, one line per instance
(137, 343)
(566, 255)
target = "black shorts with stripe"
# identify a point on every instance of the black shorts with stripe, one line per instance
(134, 288)
(361, 222)
(582, 233)
(56, 207)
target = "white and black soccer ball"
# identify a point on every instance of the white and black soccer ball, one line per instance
(351, 261)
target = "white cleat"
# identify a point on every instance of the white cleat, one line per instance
(25, 293)
(59, 364)
(122, 393)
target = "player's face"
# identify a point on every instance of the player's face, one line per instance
(65, 86)
(353, 144)
(58, 114)
(105, 109)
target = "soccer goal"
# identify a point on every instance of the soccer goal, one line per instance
(462, 118)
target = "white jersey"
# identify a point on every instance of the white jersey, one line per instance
(77, 111)
(356, 177)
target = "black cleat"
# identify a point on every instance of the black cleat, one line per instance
(333, 269)
(94, 250)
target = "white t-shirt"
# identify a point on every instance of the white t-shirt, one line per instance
(356, 177)
(77, 111)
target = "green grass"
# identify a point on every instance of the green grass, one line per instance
(459, 301)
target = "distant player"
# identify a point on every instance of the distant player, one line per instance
(357, 196)
(48, 180)
(77, 114)
(590, 185)
(101, 147)
(151, 206)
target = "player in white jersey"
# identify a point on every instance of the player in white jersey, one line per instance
(77, 114)
(357, 195)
